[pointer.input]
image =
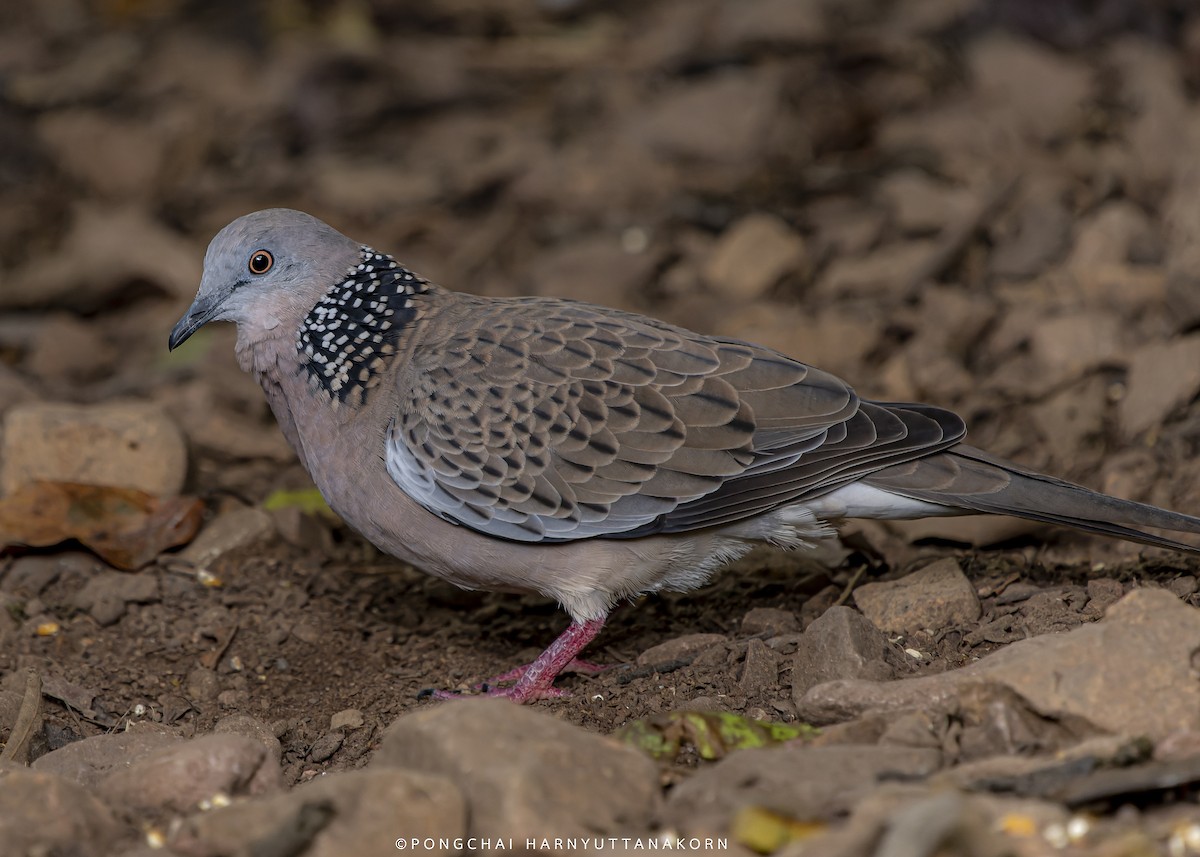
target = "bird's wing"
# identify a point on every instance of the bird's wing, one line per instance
(548, 420)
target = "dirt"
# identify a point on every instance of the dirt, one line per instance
(961, 203)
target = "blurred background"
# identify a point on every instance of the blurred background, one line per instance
(991, 206)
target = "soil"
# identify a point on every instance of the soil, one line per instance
(979, 208)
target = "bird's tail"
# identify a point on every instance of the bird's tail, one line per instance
(971, 480)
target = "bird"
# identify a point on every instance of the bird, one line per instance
(588, 454)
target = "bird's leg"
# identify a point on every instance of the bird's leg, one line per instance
(536, 680)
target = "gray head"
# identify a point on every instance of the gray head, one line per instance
(265, 271)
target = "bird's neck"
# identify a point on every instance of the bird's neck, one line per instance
(352, 334)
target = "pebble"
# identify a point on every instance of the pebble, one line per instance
(105, 595)
(1109, 673)
(841, 643)
(127, 445)
(251, 727)
(350, 812)
(178, 777)
(679, 649)
(350, 718)
(812, 783)
(760, 670)
(752, 255)
(934, 597)
(769, 621)
(522, 770)
(90, 760)
(229, 531)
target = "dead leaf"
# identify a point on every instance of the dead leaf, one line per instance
(126, 527)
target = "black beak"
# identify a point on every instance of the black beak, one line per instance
(199, 314)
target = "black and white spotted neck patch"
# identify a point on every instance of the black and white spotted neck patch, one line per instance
(351, 334)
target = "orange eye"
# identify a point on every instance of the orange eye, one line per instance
(260, 262)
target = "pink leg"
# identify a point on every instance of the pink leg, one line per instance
(536, 681)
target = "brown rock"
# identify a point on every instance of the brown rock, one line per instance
(922, 205)
(114, 157)
(251, 727)
(723, 118)
(1038, 237)
(770, 621)
(105, 250)
(882, 271)
(798, 782)
(522, 771)
(680, 648)
(44, 814)
(178, 777)
(1072, 419)
(936, 596)
(1068, 346)
(752, 255)
(760, 670)
(978, 530)
(1162, 376)
(231, 530)
(128, 445)
(1040, 91)
(1129, 673)
(350, 812)
(840, 643)
(105, 594)
(90, 760)
(66, 349)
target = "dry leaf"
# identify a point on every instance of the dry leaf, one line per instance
(126, 527)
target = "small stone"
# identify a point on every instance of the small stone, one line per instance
(250, 727)
(841, 643)
(769, 621)
(1103, 592)
(721, 118)
(350, 812)
(202, 685)
(523, 771)
(90, 760)
(325, 746)
(350, 718)
(1162, 376)
(760, 670)
(127, 445)
(752, 255)
(1110, 673)
(1183, 586)
(810, 782)
(680, 649)
(105, 594)
(178, 777)
(1038, 238)
(1036, 89)
(934, 597)
(229, 531)
(923, 205)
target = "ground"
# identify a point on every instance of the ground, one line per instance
(987, 206)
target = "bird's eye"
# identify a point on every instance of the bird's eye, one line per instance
(261, 261)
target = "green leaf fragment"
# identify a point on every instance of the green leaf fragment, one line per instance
(713, 734)
(308, 500)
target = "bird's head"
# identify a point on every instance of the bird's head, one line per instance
(264, 272)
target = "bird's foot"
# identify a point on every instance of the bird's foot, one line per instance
(536, 680)
(575, 666)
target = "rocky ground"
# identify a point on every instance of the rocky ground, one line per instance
(991, 206)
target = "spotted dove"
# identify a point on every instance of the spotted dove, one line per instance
(584, 453)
